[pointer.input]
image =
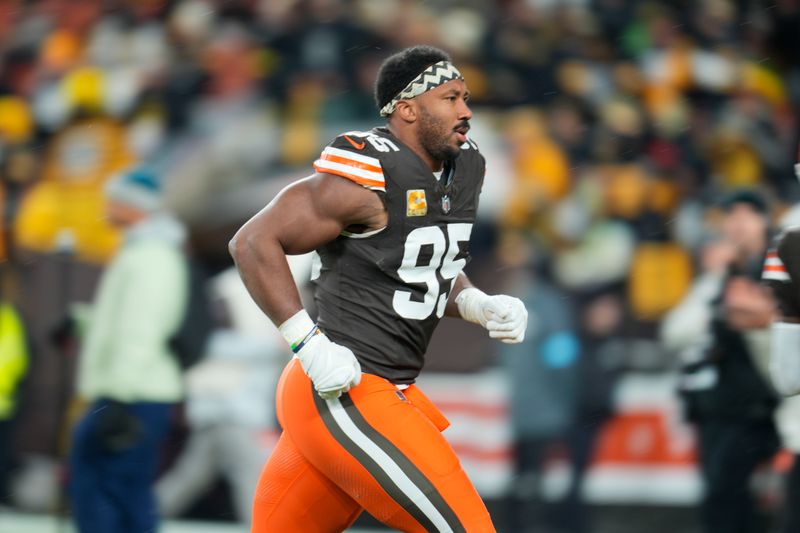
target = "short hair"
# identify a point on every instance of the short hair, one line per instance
(399, 69)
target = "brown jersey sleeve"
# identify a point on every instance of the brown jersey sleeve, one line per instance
(355, 156)
(782, 272)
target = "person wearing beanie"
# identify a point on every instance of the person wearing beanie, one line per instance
(127, 373)
(137, 188)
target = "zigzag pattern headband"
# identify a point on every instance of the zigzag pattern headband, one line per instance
(430, 78)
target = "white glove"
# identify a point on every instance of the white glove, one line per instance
(332, 368)
(505, 317)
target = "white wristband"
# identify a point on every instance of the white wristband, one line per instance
(470, 305)
(296, 328)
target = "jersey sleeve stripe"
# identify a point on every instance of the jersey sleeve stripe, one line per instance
(351, 173)
(775, 275)
(352, 163)
(775, 262)
(349, 169)
(774, 269)
(347, 154)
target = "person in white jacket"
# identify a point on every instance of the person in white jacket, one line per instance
(127, 372)
(720, 330)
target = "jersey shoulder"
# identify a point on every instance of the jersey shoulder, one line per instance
(355, 155)
(789, 239)
(471, 146)
(471, 153)
(783, 258)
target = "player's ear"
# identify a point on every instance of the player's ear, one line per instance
(406, 111)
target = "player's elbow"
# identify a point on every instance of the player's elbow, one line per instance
(253, 245)
(239, 247)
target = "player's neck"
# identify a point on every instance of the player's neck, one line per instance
(409, 138)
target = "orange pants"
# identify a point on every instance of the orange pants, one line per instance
(374, 448)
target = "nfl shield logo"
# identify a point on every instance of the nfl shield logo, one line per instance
(445, 204)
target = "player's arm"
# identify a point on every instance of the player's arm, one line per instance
(781, 269)
(301, 218)
(505, 317)
(462, 282)
(784, 360)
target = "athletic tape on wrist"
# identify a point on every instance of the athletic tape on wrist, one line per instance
(296, 347)
(467, 301)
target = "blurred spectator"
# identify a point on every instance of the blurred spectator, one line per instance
(13, 365)
(718, 330)
(541, 169)
(661, 273)
(18, 164)
(231, 136)
(605, 244)
(569, 121)
(229, 406)
(68, 199)
(126, 370)
(543, 376)
(519, 47)
(602, 357)
(230, 402)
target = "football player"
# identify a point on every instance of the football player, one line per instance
(389, 212)
(782, 273)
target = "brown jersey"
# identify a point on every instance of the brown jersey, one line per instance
(382, 293)
(782, 272)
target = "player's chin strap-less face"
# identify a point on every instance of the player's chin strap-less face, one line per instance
(430, 78)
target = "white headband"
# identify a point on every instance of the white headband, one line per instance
(430, 78)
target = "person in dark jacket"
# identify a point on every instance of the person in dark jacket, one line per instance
(724, 384)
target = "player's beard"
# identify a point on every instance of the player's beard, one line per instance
(436, 137)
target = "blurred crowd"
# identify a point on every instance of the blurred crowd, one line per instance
(612, 130)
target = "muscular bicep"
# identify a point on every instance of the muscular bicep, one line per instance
(301, 218)
(314, 211)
